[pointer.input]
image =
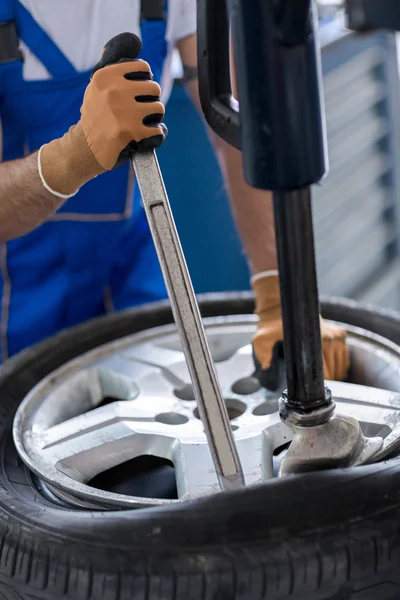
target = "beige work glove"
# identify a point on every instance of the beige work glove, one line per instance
(121, 112)
(267, 342)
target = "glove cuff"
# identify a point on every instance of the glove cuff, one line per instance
(263, 274)
(67, 163)
(267, 293)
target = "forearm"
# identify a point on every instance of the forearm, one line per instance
(24, 202)
(252, 209)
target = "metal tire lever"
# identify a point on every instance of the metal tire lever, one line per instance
(186, 312)
(214, 415)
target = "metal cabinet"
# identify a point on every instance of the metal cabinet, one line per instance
(356, 207)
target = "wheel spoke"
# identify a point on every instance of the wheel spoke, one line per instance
(223, 347)
(359, 394)
(224, 341)
(368, 405)
(240, 362)
(391, 444)
(126, 366)
(194, 470)
(256, 453)
(171, 363)
(96, 441)
(82, 392)
(195, 473)
(372, 406)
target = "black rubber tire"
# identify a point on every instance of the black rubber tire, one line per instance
(332, 535)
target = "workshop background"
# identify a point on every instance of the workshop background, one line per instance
(356, 209)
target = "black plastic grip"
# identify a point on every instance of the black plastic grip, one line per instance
(219, 108)
(125, 46)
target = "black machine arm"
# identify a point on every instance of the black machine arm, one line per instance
(217, 102)
(280, 129)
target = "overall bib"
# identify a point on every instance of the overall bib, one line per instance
(96, 253)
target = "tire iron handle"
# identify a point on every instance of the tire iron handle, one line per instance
(186, 312)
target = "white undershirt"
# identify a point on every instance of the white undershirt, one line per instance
(80, 28)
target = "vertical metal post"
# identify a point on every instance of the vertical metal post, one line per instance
(284, 150)
(280, 129)
(299, 299)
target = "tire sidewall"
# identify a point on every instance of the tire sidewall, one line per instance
(263, 515)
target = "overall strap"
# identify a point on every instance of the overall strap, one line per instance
(16, 23)
(9, 43)
(153, 10)
(153, 32)
(6, 11)
(40, 44)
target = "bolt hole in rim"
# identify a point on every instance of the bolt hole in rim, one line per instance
(266, 408)
(235, 409)
(185, 393)
(246, 386)
(171, 418)
(71, 434)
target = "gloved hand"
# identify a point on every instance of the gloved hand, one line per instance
(121, 111)
(267, 342)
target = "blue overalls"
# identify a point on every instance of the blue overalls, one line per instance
(96, 254)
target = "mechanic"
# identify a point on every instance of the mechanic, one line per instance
(75, 245)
